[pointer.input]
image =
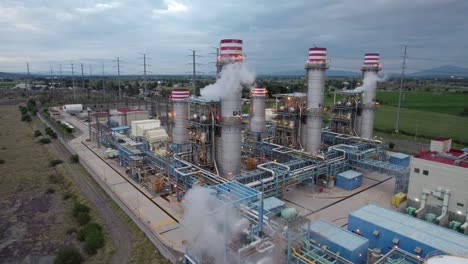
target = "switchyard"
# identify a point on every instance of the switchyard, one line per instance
(212, 185)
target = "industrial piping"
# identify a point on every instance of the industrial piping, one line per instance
(315, 66)
(228, 152)
(370, 68)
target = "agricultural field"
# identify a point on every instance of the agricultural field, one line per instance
(446, 103)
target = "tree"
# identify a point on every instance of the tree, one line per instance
(68, 255)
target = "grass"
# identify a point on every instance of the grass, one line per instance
(423, 123)
(444, 103)
(43, 213)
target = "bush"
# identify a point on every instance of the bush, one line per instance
(37, 133)
(55, 178)
(26, 118)
(67, 196)
(80, 208)
(68, 256)
(2, 161)
(94, 240)
(83, 218)
(50, 191)
(391, 145)
(55, 162)
(71, 230)
(44, 140)
(82, 233)
(75, 158)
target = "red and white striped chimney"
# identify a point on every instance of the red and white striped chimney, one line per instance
(231, 50)
(372, 59)
(317, 54)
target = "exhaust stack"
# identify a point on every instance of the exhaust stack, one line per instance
(180, 105)
(258, 120)
(370, 69)
(315, 66)
(228, 147)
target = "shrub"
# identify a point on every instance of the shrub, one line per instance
(68, 255)
(80, 208)
(91, 226)
(56, 178)
(50, 191)
(2, 161)
(71, 230)
(37, 133)
(26, 118)
(75, 158)
(67, 196)
(44, 140)
(94, 240)
(391, 145)
(55, 162)
(83, 218)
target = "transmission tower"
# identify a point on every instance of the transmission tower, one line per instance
(145, 71)
(29, 76)
(402, 78)
(194, 71)
(73, 81)
(60, 69)
(118, 77)
(103, 82)
(216, 60)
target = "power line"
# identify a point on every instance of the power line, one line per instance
(397, 126)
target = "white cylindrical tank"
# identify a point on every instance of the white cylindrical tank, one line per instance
(370, 69)
(316, 66)
(73, 108)
(258, 119)
(180, 105)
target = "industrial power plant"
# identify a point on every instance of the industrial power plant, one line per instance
(288, 182)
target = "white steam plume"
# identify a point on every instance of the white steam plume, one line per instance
(369, 81)
(230, 81)
(207, 222)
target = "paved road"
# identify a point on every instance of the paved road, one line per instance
(120, 233)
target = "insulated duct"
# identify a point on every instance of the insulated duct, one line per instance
(315, 66)
(370, 68)
(180, 107)
(258, 120)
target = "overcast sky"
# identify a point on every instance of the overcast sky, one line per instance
(276, 33)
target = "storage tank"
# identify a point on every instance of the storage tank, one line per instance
(73, 108)
(258, 120)
(315, 66)
(370, 69)
(180, 106)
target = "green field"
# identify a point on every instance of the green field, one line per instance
(447, 103)
(423, 123)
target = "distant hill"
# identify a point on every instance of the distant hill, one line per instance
(10, 74)
(442, 71)
(329, 73)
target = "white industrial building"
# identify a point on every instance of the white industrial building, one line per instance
(439, 183)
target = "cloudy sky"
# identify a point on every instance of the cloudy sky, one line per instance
(276, 33)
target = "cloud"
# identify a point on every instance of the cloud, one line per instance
(98, 7)
(172, 7)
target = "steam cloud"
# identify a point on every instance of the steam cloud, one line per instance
(369, 82)
(206, 222)
(230, 81)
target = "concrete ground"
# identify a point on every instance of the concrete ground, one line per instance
(335, 204)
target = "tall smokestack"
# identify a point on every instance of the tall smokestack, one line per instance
(315, 66)
(180, 98)
(370, 68)
(258, 120)
(228, 154)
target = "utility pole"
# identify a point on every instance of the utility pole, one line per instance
(60, 67)
(145, 71)
(103, 83)
(73, 82)
(118, 77)
(82, 80)
(402, 77)
(194, 72)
